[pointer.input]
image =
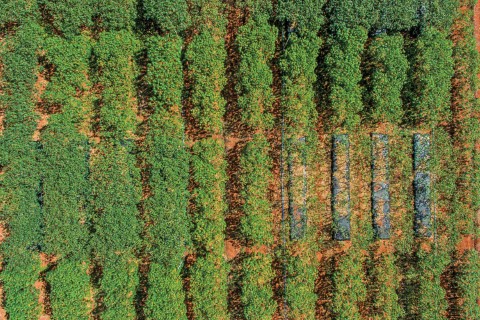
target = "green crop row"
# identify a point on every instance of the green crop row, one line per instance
(391, 15)
(115, 179)
(21, 204)
(209, 273)
(427, 96)
(167, 162)
(256, 43)
(300, 23)
(205, 58)
(342, 66)
(466, 108)
(66, 190)
(386, 70)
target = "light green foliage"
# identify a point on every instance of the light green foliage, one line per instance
(431, 303)
(115, 179)
(70, 289)
(469, 285)
(19, 195)
(386, 301)
(167, 161)
(386, 75)
(342, 65)
(114, 58)
(209, 273)
(301, 21)
(168, 15)
(65, 178)
(256, 42)
(428, 95)
(349, 287)
(255, 178)
(208, 75)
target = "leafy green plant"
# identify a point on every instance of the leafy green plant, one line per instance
(21, 189)
(386, 69)
(167, 160)
(114, 177)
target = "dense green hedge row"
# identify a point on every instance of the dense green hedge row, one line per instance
(428, 93)
(391, 15)
(115, 179)
(205, 57)
(386, 70)
(167, 162)
(21, 208)
(256, 43)
(300, 23)
(66, 189)
(342, 66)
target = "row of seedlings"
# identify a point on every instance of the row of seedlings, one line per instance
(21, 205)
(466, 108)
(115, 179)
(167, 161)
(205, 57)
(256, 43)
(66, 189)
(300, 24)
(347, 34)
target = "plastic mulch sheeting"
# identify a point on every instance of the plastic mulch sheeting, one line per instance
(422, 185)
(341, 187)
(297, 188)
(380, 186)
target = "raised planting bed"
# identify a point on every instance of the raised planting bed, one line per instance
(422, 185)
(380, 186)
(297, 187)
(341, 187)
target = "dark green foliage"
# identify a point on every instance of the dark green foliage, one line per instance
(342, 65)
(437, 13)
(115, 15)
(168, 167)
(303, 17)
(351, 14)
(21, 209)
(386, 75)
(69, 16)
(168, 15)
(396, 15)
(428, 93)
